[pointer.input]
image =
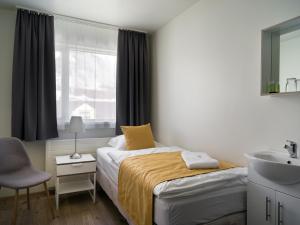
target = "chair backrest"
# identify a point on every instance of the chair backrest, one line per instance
(13, 155)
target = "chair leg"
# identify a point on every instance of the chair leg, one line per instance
(49, 202)
(14, 215)
(28, 199)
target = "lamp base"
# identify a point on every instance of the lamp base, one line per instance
(75, 155)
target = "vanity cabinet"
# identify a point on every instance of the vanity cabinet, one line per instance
(260, 205)
(287, 209)
(269, 207)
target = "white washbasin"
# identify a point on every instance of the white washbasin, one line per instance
(275, 166)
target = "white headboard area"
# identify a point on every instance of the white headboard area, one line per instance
(65, 147)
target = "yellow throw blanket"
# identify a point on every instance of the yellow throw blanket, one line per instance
(138, 176)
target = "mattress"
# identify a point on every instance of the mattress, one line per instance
(174, 205)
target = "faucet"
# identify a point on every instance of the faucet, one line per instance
(291, 148)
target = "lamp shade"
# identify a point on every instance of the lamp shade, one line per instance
(76, 124)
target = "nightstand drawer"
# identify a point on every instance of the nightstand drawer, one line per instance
(76, 168)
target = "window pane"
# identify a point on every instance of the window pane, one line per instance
(92, 91)
(106, 86)
(58, 62)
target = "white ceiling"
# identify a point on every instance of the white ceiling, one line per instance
(146, 15)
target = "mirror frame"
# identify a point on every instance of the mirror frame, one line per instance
(270, 54)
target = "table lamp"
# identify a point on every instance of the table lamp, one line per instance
(76, 126)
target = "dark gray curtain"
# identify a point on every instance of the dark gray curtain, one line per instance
(133, 79)
(33, 84)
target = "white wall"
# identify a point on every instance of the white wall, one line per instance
(206, 87)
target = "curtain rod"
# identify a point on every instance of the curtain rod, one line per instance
(71, 18)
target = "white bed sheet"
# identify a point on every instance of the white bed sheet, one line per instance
(221, 180)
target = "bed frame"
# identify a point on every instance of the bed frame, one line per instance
(236, 218)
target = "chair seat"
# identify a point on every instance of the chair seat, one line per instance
(26, 177)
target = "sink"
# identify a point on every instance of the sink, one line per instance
(275, 166)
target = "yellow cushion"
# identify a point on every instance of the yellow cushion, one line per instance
(138, 137)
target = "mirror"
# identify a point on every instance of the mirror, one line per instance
(281, 58)
(289, 67)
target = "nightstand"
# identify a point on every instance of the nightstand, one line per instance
(74, 175)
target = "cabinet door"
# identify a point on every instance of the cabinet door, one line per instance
(287, 209)
(260, 205)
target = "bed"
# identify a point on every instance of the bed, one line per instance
(217, 198)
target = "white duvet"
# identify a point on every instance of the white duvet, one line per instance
(224, 179)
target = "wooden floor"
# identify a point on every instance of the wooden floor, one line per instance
(76, 209)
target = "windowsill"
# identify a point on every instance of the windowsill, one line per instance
(89, 125)
(96, 132)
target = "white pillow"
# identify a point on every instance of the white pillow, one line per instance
(118, 142)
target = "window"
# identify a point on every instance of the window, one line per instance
(85, 73)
